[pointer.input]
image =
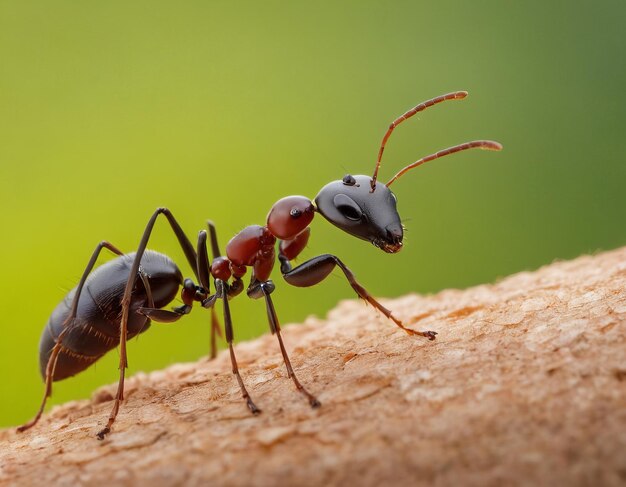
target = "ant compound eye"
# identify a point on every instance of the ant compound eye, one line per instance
(349, 180)
(350, 213)
(348, 207)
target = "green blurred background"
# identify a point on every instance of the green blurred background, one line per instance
(217, 109)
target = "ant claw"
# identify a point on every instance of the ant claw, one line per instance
(252, 407)
(315, 403)
(431, 335)
(102, 434)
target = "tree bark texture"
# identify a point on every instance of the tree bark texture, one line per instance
(525, 385)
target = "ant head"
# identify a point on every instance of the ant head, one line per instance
(371, 215)
(366, 208)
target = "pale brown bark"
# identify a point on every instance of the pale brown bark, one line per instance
(525, 385)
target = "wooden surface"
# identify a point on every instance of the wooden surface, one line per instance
(525, 385)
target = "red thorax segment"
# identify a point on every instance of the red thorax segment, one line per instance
(288, 220)
(290, 216)
(253, 246)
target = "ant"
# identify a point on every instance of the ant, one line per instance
(119, 299)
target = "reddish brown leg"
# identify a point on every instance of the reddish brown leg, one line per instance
(316, 269)
(275, 327)
(205, 276)
(119, 395)
(215, 332)
(222, 293)
(126, 300)
(52, 360)
(50, 367)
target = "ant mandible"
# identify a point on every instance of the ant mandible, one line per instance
(118, 306)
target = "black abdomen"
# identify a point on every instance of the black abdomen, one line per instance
(95, 330)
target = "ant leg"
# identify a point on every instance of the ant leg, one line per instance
(317, 269)
(204, 271)
(215, 248)
(190, 253)
(272, 318)
(164, 315)
(222, 293)
(190, 293)
(216, 331)
(54, 354)
(52, 362)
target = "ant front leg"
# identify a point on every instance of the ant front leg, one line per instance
(315, 270)
(255, 291)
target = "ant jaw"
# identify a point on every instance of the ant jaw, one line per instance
(390, 248)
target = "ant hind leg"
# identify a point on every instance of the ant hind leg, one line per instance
(54, 354)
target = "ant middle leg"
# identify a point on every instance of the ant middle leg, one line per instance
(216, 331)
(204, 274)
(192, 293)
(222, 293)
(255, 291)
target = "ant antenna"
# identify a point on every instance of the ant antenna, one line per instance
(480, 144)
(457, 95)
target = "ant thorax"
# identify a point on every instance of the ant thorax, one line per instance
(288, 220)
